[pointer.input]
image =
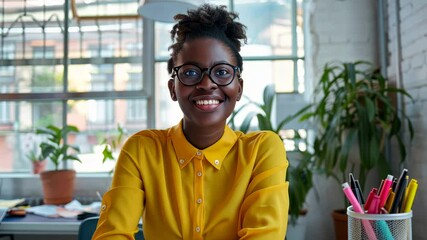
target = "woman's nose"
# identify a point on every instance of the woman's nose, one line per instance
(206, 82)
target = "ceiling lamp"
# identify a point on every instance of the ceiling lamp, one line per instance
(165, 10)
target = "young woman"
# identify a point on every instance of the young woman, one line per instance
(200, 179)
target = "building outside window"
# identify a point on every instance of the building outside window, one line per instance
(81, 66)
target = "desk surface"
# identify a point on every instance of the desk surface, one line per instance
(33, 224)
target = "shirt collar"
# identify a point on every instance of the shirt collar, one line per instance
(214, 154)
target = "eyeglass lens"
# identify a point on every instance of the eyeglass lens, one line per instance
(221, 74)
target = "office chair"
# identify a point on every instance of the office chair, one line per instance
(88, 226)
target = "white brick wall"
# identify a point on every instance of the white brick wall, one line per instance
(413, 35)
(340, 30)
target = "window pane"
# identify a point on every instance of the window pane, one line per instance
(168, 111)
(17, 137)
(162, 40)
(98, 120)
(162, 34)
(42, 27)
(106, 55)
(271, 32)
(258, 74)
(31, 79)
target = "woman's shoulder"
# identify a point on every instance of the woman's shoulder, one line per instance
(149, 135)
(261, 135)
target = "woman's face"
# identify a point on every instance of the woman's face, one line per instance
(205, 103)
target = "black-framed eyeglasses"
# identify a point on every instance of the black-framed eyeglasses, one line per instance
(221, 74)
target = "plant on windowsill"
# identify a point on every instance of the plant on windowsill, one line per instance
(37, 160)
(354, 116)
(299, 175)
(58, 184)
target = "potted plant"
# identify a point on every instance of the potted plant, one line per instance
(37, 160)
(299, 174)
(58, 184)
(354, 114)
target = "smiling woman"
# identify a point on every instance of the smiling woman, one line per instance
(200, 179)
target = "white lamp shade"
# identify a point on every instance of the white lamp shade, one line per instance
(165, 10)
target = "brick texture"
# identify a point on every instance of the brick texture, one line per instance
(413, 37)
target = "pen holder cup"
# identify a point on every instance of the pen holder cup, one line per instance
(397, 226)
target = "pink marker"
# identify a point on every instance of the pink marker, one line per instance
(371, 195)
(384, 191)
(357, 208)
(374, 205)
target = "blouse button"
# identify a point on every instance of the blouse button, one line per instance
(103, 207)
(199, 200)
(216, 162)
(181, 161)
(197, 229)
(198, 153)
(199, 174)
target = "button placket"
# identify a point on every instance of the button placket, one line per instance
(198, 191)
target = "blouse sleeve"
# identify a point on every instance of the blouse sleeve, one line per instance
(123, 204)
(264, 211)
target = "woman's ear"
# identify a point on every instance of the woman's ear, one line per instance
(171, 86)
(239, 95)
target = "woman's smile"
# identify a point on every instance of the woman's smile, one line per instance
(207, 105)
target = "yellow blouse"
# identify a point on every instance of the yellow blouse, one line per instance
(234, 189)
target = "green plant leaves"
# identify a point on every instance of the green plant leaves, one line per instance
(354, 109)
(299, 176)
(56, 149)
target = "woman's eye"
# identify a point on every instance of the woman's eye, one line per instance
(190, 73)
(222, 73)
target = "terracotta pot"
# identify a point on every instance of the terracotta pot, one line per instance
(58, 186)
(39, 166)
(340, 224)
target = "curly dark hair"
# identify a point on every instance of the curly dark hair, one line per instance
(208, 21)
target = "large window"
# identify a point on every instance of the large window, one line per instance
(87, 63)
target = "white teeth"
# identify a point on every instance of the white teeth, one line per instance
(207, 102)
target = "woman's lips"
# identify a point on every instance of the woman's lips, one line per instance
(207, 104)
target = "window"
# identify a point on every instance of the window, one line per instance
(87, 68)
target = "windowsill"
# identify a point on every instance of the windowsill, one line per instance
(17, 185)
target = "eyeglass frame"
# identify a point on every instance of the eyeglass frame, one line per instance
(236, 71)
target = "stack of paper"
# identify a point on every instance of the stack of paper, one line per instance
(10, 203)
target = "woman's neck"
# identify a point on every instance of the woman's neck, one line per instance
(202, 137)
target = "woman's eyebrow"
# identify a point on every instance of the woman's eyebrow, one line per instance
(199, 65)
